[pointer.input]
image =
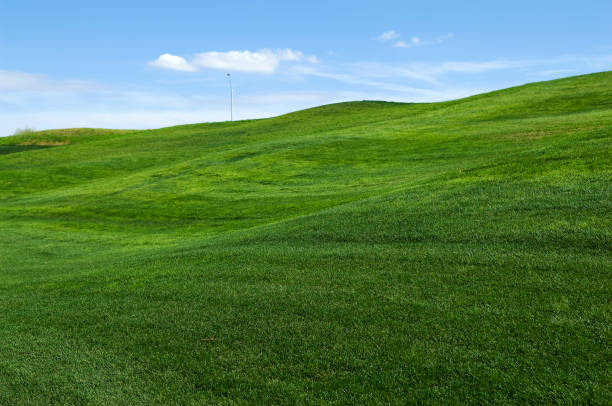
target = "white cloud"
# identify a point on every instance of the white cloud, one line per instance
(242, 61)
(263, 61)
(173, 62)
(388, 35)
(414, 41)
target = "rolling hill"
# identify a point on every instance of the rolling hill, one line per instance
(355, 253)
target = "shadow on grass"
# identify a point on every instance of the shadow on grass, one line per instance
(11, 149)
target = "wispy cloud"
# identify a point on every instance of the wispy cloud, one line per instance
(477, 66)
(12, 80)
(264, 61)
(19, 80)
(426, 81)
(395, 38)
(403, 92)
(388, 35)
(417, 41)
(392, 76)
(555, 72)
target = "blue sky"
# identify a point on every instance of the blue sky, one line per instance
(147, 64)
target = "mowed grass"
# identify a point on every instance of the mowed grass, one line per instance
(356, 253)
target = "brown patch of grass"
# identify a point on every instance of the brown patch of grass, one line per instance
(528, 135)
(71, 132)
(537, 134)
(45, 143)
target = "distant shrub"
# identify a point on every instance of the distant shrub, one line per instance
(24, 130)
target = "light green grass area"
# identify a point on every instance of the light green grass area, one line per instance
(355, 253)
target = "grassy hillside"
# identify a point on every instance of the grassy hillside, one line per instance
(356, 253)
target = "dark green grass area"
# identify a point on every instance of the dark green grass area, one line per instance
(356, 253)
(11, 149)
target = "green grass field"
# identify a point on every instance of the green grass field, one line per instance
(355, 253)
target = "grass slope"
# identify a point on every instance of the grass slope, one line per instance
(356, 253)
